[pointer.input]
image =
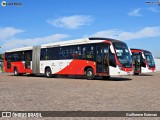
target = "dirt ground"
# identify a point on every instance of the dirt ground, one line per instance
(121, 93)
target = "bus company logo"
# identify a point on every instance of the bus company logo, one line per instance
(153, 2)
(6, 114)
(4, 4)
(21, 114)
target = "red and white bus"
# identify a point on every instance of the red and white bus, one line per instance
(89, 56)
(143, 61)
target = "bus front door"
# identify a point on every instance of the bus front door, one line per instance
(102, 54)
(136, 62)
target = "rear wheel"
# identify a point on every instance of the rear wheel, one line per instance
(90, 74)
(48, 72)
(15, 71)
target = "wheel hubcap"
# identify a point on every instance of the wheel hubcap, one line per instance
(48, 73)
(15, 72)
(89, 73)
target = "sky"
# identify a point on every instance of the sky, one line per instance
(37, 22)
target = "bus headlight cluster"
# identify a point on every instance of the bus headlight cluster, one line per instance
(119, 67)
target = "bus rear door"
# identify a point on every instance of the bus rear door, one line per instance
(27, 57)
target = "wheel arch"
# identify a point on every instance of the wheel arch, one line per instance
(85, 69)
(46, 68)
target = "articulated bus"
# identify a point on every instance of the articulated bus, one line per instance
(89, 56)
(143, 61)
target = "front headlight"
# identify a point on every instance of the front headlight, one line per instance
(119, 67)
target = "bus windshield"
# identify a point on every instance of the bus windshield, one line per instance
(123, 54)
(149, 59)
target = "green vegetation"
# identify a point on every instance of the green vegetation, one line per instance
(1, 62)
(1, 56)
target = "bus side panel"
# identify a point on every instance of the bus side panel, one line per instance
(147, 70)
(116, 71)
(19, 65)
(55, 65)
(76, 67)
(5, 67)
(73, 67)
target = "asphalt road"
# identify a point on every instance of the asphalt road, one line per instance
(121, 93)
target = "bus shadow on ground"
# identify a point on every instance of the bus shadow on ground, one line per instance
(117, 79)
(144, 75)
(96, 78)
(24, 75)
(76, 77)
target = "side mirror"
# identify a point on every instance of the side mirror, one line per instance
(112, 49)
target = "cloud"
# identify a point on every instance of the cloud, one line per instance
(125, 35)
(153, 9)
(135, 12)
(9, 32)
(16, 43)
(71, 22)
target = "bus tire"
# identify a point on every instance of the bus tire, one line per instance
(105, 77)
(90, 74)
(48, 72)
(15, 71)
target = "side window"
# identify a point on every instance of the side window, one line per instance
(21, 54)
(84, 50)
(67, 55)
(112, 61)
(75, 52)
(88, 52)
(27, 55)
(43, 54)
(79, 51)
(64, 52)
(8, 56)
(15, 56)
(71, 52)
(53, 53)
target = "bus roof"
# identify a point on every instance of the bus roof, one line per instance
(108, 39)
(141, 50)
(70, 42)
(21, 49)
(80, 41)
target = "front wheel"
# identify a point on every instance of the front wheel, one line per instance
(48, 73)
(90, 74)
